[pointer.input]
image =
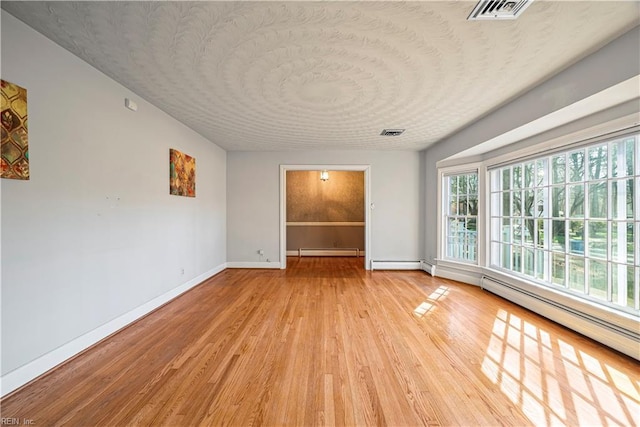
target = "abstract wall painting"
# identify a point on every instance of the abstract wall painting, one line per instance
(182, 174)
(14, 147)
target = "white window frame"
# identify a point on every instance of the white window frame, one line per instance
(443, 173)
(585, 146)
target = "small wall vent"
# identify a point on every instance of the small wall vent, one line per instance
(498, 9)
(391, 132)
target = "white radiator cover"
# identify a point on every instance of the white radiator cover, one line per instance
(428, 267)
(396, 265)
(623, 336)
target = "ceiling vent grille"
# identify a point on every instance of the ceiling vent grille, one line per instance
(498, 9)
(392, 132)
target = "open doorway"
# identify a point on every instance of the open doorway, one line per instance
(324, 216)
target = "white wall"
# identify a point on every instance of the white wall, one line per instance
(253, 188)
(614, 63)
(95, 235)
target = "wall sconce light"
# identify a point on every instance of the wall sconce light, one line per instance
(324, 175)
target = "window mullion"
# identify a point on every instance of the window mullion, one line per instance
(570, 214)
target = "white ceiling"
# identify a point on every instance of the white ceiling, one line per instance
(326, 75)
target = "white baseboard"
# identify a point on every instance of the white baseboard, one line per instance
(459, 275)
(270, 264)
(395, 265)
(428, 267)
(22, 375)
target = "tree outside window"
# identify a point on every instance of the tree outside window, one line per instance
(569, 220)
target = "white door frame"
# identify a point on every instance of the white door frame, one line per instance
(283, 205)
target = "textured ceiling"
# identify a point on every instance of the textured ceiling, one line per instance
(326, 75)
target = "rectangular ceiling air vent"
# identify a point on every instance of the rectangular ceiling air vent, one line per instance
(498, 9)
(392, 132)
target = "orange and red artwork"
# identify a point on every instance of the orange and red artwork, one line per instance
(182, 174)
(14, 147)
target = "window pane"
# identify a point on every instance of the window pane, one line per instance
(598, 239)
(473, 205)
(453, 186)
(506, 178)
(541, 202)
(462, 184)
(516, 259)
(622, 158)
(576, 201)
(517, 176)
(576, 166)
(576, 237)
(496, 229)
(453, 205)
(506, 230)
(576, 273)
(528, 262)
(622, 241)
(495, 180)
(558, 169)
(529, 177)
(598, 200)
(528, 203)
(517, 230)
(528, 232)
(506, 203)
(540, 233)
(462, 205)
(597, 162)
(558, 269)
(598, 279)
(453, 229)
(622, 199)
(630, 155)
(505, 256)
(495, 204)
(630, 192)
(516, 209)
(558, 201)
(622, 285)
(558, 233)
(541, 262)
(542, 172)
(472, 181)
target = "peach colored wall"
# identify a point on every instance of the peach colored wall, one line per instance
(340, 199)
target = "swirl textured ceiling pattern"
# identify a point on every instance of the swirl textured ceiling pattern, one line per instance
(325, 75)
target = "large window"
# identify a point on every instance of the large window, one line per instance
(571, 220)
(461, 216)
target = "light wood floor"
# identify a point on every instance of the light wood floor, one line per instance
(326, 343)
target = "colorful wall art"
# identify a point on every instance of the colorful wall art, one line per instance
(14, 148)
(182, 174)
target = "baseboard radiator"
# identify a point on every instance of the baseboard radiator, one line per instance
(395, 265)
(611, 334)
(329, 252)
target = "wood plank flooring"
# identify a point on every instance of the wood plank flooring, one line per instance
(326, 343)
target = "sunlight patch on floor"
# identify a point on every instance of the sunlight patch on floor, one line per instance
(429, 305)
(549, 378)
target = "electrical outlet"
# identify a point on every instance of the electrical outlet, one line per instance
(182, 271)
(260, 252)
